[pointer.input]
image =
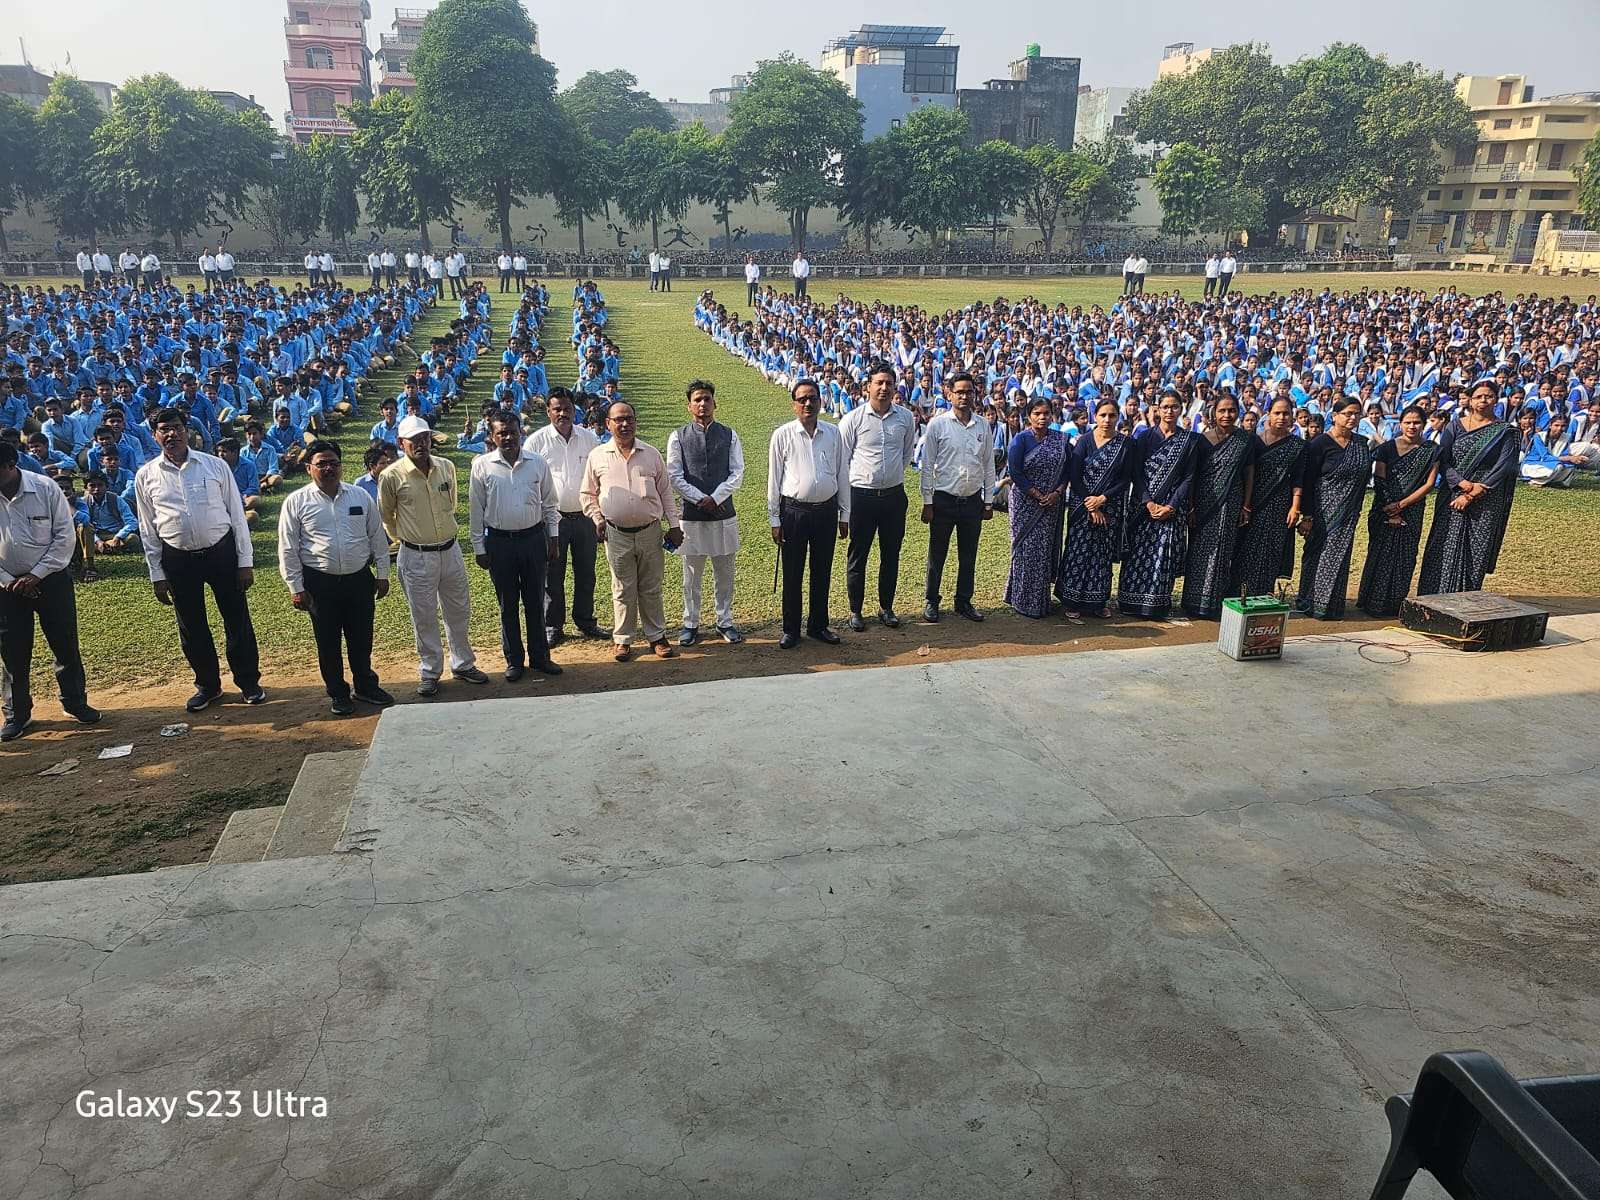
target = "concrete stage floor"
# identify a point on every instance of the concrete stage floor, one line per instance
(1125, 924)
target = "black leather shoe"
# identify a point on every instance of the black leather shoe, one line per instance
(84, 714)
(887, 617)
(788, 641)
(970, 613)
(594, 631)
(930, 613)
(202, 699)
(545, 668)
(513, 674)
(342, 706)
(14, 728)
(857, 625)
(377, 696)
(825, 635)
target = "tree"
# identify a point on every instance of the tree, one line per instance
(795, 126)
(937, 193)
(652, 180)
(1234, 209)
(486, 103)
(999, 179)
(404, 185)
(583, 186)
(19, 160)
(337, 203)
(177, 158)
(716, 175)
(1055, 181)
(287, 207)
(870, 187)
(1111, 193)
(77, 205)
(608, 106)
(1589, 181)
(1187, 185)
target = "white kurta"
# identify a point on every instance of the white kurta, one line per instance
(711, 538)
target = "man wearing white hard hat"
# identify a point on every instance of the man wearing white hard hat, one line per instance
(417, 500)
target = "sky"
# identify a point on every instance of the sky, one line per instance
(683, 49)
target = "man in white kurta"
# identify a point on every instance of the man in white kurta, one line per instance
(705, 462)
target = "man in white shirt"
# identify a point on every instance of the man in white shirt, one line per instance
(802, 272)
(752, 280)
(36, 542)
(503, 264)
(1129, 266)
(655, 270)
(313, 268)
(86, 268)
(515, 525)
(325, 265)
(565, 445)
(128, 264)
(195, 534)
(224, 264)
(1225, 273)
(808, 509)
(519, 270)
(957, 493)
(150, 269)
(705, 462)
(414, 267)
(389, 262)
(1213, 266)
(666, 272)
(102, 266)
(1141, 268)
(208, 269)
(375, 268)
(879, 438)
(435, 270)
(330, 538)
(453, 264)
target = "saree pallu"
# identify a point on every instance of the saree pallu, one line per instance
(1035, 529)
(1464, 546)
(1084, 580)
(1325, 568)
(1265, 551)
(1153, 551)
(1392, 549)
(1218, 504)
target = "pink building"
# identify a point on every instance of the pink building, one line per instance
(327, 65)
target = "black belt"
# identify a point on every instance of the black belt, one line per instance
(888, 491)
(631, 528)
(169, 548)
(830, 502)
(572, 516)
(529, 532)
(970, 496)
(434, 549)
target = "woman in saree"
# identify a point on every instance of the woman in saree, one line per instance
(1478, 459)
(1038, 463)
(1334, 474)
(1158, 510)
(1102, 464)
(1265, 550)
(1405, 470)
(1223, 479)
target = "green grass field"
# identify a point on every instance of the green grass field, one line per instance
(128, 638)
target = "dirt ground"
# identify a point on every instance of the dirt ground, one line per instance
(166, 802)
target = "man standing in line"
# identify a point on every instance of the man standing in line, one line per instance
(128, 264)
(666, 272)
(565, 445)
(626, 494)
(195, 534)
(37, 536)
(802, 272)
(86, 268)
(313, 268)
(454, 263)
(655, 269)
(519, 271)
(414, 267)
(224, 264)
(102, 266)
(1229, 265)
(329, 540)
(375, 268)
(503, 265)
(1213, 265)
(326, 267)
(150, 270)
(808, 508)
(752, 280)
(389, 262)
(957, 493)
(208, 269)
(1129, 267)
(1141, 268)
(417, 500)
(879, 438)
(705, 461)
(516, 527)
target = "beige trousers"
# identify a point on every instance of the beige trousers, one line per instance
(636, 561)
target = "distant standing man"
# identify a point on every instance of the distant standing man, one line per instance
(150, 270)
(453, 264)
(808, 509)
(666, 272)
(879, 438)
(503, 265)
(752, 280)
(802, 272)
(1213, 265)
(705, 461)
(519, 270)
(208, 270)
(313, 268)
(414, 267)
(102, 266)
(626, 494)
(389, 263)
(515, 525)
(565, 445)
(1141, 268)
(325, 265)
(195, 534)
(1129, 268)
(1225, 274)
(957, 493)
(375, 268)
(417, 500)
(655, 269)
(37, 537)
(86, 268)
(224, 264)
(330, 538)
(128, 264)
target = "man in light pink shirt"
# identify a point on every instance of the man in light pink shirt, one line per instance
(626, 493)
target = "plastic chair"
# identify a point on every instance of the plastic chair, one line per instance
(1486, 1136)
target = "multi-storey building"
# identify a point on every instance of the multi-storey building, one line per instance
(893, 70)
(1038, 103)
(714, 112)
(395, 50)
(327, 66)
(1180, 58)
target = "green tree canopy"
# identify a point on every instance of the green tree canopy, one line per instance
(19, 160)
(1589, 181)
(486, 103)
(287, 205)
(404, 185)
(77, 205)
(794, 126)
(583, 183)
(870, 187)
(652, 180)
(1186, 183)
(931, 148)
(340, 210)
(1055, 183)
(177, 158)
(1110, 193)
(609, 105)
(716, 174)
(999, 179)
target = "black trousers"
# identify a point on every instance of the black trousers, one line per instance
(808, 529)
(666, 281)
(577, 540)
(655, 280)
(88, 281)
(518, 565)
(522, 280)
(342, 609)
(56, 608)
(1211, 285)
(416, 276)
(750, 290)
(962, 515)
(1224, 281)
(882, 514)
(1127, 283)
(505, 281)
(389, 274)
(455, 285)
(189, 574)
(800, 287)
